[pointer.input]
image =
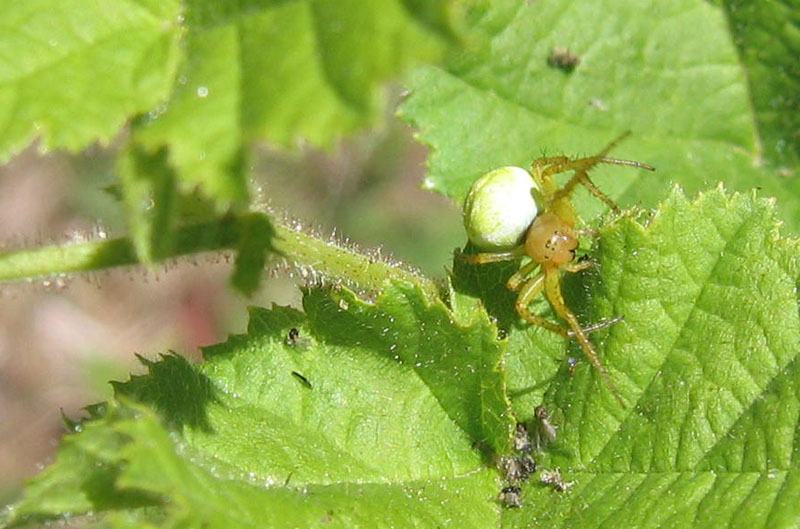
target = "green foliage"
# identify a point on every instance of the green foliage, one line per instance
(204, 80)
(255, 242)
(707, 434)
(148, 180)
(75, 71)
(767, 35)
(258, 70)
(666, 70)
(395, 412)
(381, 421)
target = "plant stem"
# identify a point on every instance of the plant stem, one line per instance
(322, 258)
(351, 266)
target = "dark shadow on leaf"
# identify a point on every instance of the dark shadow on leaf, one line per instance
(101, 489)
(255, 243)
(487, 282)
(175, 389)
(530, 389)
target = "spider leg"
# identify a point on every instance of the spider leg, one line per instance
(492, 257)
(581, 176)
(548, 160)
(600, 325)
(552, 286)
(520, 276)
(628, 163)
(588, 184)
(598, 158)
(532, 288)
(587, 163)
(579, 266)
(527, 294)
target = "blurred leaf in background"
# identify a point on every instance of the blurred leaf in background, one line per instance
(73, 72)
(767, 35)
(256, 71)
(205, 81)
(666, 70)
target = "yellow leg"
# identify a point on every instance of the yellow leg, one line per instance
(552, 287)
(520, 276)
(599, 325)
(583, 165)
(561, 165)
(579, 266)
(548, 160)
(530, 290)
(588, 184)
(496, 257)
(527, 294)
(629, 163)
(582, 177)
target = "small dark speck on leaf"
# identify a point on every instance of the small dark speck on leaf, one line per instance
(303, 380)
(511, 497)
(294, 334)
(563, 59)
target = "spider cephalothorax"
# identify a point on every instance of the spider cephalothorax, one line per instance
(550, 241)
(545, 232)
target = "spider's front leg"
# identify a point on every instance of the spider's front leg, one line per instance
(545, 168)
(579, 267)
(582, 177)
(552, 287)
(544, 161)
(529, 289)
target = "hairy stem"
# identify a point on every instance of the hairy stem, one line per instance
(325, 259)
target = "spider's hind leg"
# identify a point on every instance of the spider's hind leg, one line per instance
(491, 257)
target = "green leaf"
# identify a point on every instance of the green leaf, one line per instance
(706, 359)
(148, 191)
(440, 350)
(282, 72)
(665, 70)
(767, 35)
(327, 417)
(312, 427)
(74, 71)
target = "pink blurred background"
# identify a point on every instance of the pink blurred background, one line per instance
(63, 339)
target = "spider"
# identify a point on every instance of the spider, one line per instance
(550, 241)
